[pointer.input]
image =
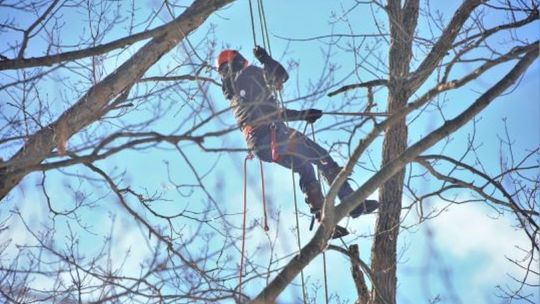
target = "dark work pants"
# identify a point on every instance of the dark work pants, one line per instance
(299, 153)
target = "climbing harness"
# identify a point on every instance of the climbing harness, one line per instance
(274, 144)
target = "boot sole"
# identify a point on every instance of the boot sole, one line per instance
(340, 232)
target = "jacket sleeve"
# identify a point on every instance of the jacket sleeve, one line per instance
(274, 73)
(291, 115)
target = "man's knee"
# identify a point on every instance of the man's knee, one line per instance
(330, 171)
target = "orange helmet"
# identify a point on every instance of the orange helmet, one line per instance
(233, 57)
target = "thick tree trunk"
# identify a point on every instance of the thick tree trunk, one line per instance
(402, 26)
(387, 227)
(401, 84)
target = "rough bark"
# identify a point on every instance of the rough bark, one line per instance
(401, 84)
(94, 104)
(402, 27)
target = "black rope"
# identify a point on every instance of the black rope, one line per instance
(323, 253)
(266, 45)
(261, 23)
(252, 23)
(264, 27)
(384, 114)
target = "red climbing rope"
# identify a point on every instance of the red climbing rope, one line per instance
(274, 144)
(248, 157)
(244, 217)
(263, 197)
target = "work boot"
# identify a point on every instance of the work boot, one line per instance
(339, 231)
(315, 200)
(366, 208)
(314, 197)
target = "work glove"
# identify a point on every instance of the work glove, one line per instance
(261, 54)
(312, 115)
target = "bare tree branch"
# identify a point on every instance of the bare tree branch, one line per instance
(443, 44)
(323, 233)
(91, 106)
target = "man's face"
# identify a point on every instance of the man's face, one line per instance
(225, 70)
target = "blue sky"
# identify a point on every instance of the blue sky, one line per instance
(470, 241)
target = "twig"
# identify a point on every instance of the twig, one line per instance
(372, 83)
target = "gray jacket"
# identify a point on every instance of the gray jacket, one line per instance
(253, 102)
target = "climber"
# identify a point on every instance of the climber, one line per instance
(250, 91)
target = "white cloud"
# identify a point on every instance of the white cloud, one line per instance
(468, 231)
